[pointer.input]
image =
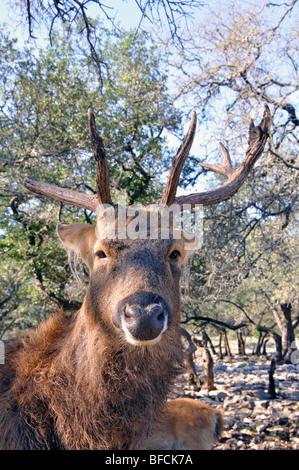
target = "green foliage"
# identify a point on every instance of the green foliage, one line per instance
(45, 95)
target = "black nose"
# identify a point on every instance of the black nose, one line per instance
(143, 316)
(144, 324)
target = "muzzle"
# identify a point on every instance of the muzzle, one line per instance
(143, 317)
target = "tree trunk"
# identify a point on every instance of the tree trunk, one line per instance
(208, 370)
(193, 379)
(271, 385)
(206, 339)
(278, 344)
(259, 343)
(283, 318)
(275, 336)
(264, 352)
(287, 331)
(241, 343)
(220, 345)
(226, 343)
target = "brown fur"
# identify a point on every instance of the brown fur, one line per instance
(186, 424)
(86, 397)
(76, 383)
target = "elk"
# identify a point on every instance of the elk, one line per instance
(186, 424)
(100, 379)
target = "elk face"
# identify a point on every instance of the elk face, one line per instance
(143, 278)
(134, 287)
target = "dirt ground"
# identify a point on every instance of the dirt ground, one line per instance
(253, 420)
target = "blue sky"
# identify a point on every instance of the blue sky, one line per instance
(126, 12)
(128, 15)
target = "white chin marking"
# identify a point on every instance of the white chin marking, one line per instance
(137, 342)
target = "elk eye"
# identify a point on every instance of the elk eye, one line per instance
(101, 254)
(174, 255)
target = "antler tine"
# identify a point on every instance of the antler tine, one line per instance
(178, 161)
(257, 140)
(75, 198)
(225, 168)
(103, 185)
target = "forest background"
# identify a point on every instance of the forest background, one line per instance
(143, 66)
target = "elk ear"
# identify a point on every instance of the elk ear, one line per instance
(80, 238)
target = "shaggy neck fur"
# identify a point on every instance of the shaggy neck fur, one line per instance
(73, 390)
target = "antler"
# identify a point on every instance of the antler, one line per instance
(178, 161)
(103, 185)
(235, 177)
(76, 198)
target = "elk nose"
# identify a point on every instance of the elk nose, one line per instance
(144, 324)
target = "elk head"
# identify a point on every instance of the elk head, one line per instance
(133, 292)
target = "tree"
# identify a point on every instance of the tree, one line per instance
(53, 13)
(45, 95)
(230, 64)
